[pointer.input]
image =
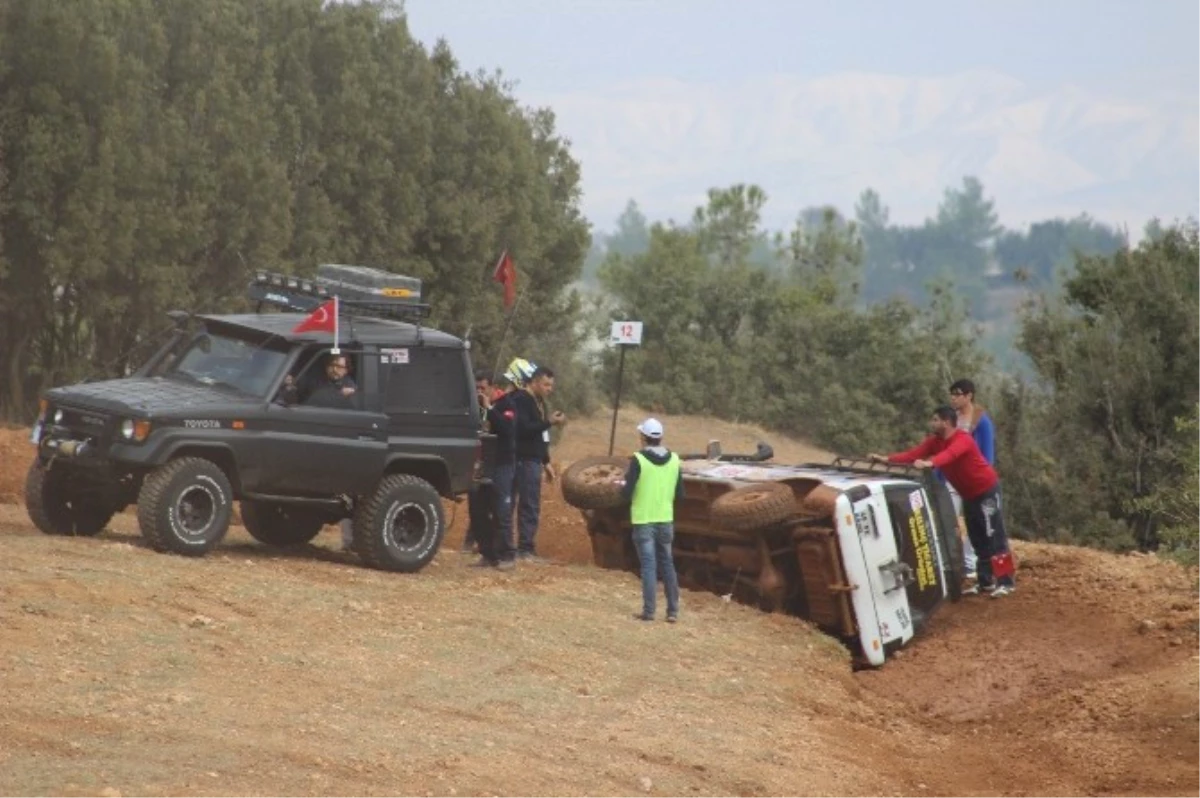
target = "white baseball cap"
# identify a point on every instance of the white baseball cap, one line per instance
(651, 428)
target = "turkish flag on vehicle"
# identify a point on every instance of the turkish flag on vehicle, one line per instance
(323, 319)
(506, 273)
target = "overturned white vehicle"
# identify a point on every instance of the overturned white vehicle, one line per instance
(865, 551)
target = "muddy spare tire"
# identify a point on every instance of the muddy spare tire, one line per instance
(591, 483)
(754, 507)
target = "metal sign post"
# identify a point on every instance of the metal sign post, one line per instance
(624, 334)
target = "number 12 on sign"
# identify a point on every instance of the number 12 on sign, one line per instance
(625, 334)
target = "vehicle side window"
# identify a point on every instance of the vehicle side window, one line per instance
(317, 385)
(432, 379)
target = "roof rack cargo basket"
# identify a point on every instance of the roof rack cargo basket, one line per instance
(863, 465)
(361, 291)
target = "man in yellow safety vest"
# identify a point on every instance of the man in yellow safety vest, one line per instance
(652, 483)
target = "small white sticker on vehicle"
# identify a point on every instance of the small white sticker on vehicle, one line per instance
(394, 357)
(916, 500)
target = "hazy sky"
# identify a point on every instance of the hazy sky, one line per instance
(1058, 106)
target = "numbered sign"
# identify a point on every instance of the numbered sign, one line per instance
(628, 333)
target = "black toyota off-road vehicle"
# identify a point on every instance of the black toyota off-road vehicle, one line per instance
(207, 421)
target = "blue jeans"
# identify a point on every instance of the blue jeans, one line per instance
(653, 544)
(503, 484)
(529, 504)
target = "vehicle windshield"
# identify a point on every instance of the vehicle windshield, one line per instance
(224, 361)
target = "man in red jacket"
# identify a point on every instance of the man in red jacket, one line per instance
(964, 466)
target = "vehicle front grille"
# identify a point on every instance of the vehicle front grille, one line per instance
(85, 425)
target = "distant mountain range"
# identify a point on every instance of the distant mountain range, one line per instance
(664, 142)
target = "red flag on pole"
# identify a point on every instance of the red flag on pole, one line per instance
(323, 319)
(506, 273)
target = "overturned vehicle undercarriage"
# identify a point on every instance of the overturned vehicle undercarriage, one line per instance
(867, 552)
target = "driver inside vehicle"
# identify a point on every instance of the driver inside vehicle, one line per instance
(336, 390)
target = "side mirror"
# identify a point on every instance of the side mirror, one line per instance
(179, 317)
(713, 451)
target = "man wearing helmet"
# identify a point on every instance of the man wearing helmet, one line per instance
(501, 419)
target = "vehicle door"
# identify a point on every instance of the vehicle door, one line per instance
(326, 444)
(429, 398)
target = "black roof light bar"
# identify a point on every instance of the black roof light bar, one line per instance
(361, 291)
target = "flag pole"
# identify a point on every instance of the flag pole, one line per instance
(335, 350)
(508, 325)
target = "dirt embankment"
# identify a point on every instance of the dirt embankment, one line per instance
(255, 671)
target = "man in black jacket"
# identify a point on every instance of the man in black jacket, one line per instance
(533, 424)
(502, 422)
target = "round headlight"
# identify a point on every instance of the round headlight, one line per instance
(58, 416)
(127, 429)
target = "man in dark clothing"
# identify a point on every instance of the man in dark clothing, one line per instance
(336, 391)
(955, 452)
(502, 422)
(481, 502)
(533, 424)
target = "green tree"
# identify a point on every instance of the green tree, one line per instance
(155, 154)
(787, 349)
(1041, 256)
(1117, 363)
(1173, 505)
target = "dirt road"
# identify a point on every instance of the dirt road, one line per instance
(253, 671)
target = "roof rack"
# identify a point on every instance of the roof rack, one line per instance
(864, 465)
(361, 291)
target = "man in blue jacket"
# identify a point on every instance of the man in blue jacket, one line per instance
(974, 419)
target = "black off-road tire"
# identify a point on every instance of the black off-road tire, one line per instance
(185, 506)
(754, 507)
(589, 483)
(52, 508)
(279, 524)
(401, 525)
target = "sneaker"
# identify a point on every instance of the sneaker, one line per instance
(483, 562)
(641, 616)
(976, 589)
(531, 558)
(1003, 590)
(506, 565)
(672, 618)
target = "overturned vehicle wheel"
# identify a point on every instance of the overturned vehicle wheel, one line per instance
(754, 507)
(591, 483)
(185, 506)
(280, 525)
(58, 505)
(401, 525)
